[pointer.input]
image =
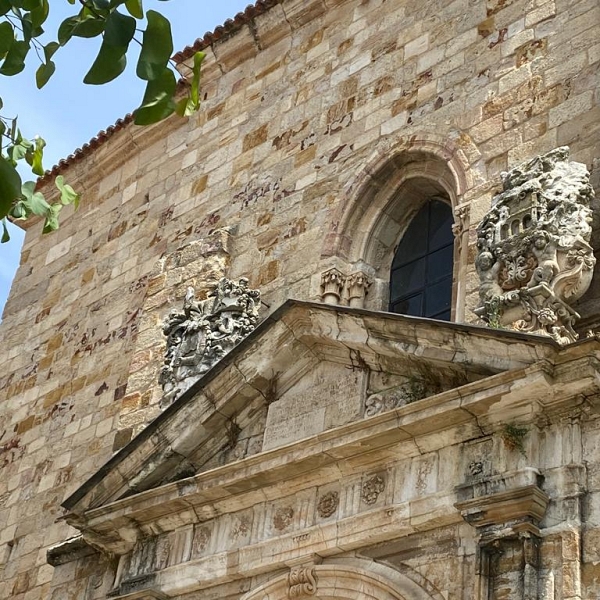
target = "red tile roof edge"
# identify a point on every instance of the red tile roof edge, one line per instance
(221, 32)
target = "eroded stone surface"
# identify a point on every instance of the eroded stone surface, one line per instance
(535, 259)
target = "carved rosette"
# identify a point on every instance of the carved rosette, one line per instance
(332, 286)
(302, 581)
(357, 285)
(534, 256)
(204, 331)
(328, 504)
(372, 488)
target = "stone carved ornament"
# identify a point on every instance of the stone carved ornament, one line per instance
(204, 331)
(302, 581)
(534, 257)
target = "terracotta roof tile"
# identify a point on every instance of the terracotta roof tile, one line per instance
(221, 32)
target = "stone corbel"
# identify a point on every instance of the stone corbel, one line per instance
(332, 286)
(357, 286)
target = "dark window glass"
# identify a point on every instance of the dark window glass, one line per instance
(421, 277)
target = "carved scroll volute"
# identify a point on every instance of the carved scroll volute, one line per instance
(302, 581)
(332, 286)
(534, 257)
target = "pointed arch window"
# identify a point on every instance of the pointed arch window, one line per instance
(421, 273)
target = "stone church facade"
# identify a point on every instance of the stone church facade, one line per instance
(204, 391)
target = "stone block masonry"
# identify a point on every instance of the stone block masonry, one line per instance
(298, 101)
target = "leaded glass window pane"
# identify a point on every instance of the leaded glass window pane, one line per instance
(421, 277)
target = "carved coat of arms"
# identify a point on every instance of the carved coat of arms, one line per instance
(200, 334)
(534, 256)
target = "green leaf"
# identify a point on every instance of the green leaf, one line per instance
(40, 14)
(158, 100)
(65, 29)
(67, 194)
(43, 74)
(50, 49)
(37, 154)
(157, 47)
(51, 223)
(89, 26)
(135, 8)
(15, 59)
(5, 234)
(111, 59)
(5, 6)
(10, 186)
(34, 201)
(30, 4)
(195, 86)
(7, 37)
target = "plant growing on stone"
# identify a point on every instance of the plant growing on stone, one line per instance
(494, 312)
(116, 22)
(513, 436)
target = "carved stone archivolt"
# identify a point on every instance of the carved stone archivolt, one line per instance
(204, 331)
(534, 256)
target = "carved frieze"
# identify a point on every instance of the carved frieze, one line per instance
(534, 256)
(204, 331)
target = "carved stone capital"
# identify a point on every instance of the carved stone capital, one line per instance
(357, 286)
(332, 286)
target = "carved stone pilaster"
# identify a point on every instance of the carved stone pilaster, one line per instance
(506, 511)
(302, 581)
(332, 286)
(534, 257)
(357, 286)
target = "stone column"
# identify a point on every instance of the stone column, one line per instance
(357, 285)
(332, 285)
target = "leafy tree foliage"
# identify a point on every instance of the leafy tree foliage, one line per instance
(118, 23)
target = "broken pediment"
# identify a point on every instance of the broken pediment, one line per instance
(307, 369)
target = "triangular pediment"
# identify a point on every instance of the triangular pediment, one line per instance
(307, 369)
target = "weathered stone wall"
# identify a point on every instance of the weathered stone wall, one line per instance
(297, 106)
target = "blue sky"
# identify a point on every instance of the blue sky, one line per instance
(67, 113)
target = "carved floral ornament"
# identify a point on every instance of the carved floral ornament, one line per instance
(534, 256)
(204, 331)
